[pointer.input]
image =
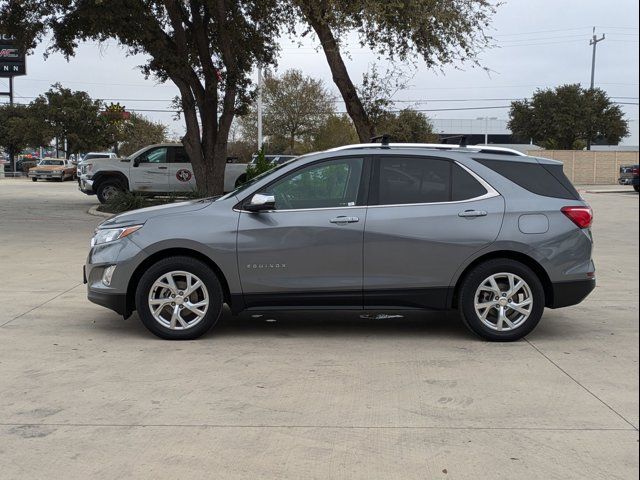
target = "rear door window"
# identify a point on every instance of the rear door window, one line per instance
(463, 185)
(407, 180)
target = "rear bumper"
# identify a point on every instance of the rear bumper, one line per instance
(629, 181)
(566, 294)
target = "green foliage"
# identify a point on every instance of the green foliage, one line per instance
(334, 131)
(261, 165)
(21, 127)
(74, 117)
(125, 201)
(407, 126)
(12, 131)
(294, 106)
(138, 132)
(567, 116)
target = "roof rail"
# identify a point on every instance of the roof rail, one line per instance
(434, 146)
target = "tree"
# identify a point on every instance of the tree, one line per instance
(73, 118)
(439, 32)
(20, 128)
(295, 106)
(138, 132)
(567, 116)
(407, 126)
(207, 48)
(12, 131)
(335, 131)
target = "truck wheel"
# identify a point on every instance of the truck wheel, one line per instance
(108, 189)
(240, 180)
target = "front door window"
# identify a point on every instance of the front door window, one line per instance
(329, 184)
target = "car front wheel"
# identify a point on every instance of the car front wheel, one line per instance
(501, 300)
(179, 298)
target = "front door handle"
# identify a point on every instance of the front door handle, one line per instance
(473, 213)
(162, 168)
(343, 220)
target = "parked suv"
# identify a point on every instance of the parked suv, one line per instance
(155, 169)
(630, 175)
(491, 232)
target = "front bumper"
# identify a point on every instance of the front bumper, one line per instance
(570, 293)
(45, 176)
(126, 256)
(86, 186)
(113, 301)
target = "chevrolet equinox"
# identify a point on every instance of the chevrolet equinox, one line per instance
(491, 232)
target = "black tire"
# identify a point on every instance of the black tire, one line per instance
(240, 180)
(185, 264)
(34, 179)
(636, 188)
(105, 189)
(472, 282)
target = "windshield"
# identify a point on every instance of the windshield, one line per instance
(89, 156)
(51, 162)
(254, 180)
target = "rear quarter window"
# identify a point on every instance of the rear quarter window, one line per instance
(545, 180)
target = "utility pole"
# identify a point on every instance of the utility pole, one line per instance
(259, 108)
(594, 43)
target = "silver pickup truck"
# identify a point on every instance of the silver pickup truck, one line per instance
(156, 169)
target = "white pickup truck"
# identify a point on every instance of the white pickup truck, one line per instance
(154, 170)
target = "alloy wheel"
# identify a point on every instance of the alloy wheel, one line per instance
(503, 301)
(178, 300)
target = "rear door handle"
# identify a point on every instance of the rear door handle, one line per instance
(343, 219)
(473, 213)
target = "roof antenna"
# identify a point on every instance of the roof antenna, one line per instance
(384, 140)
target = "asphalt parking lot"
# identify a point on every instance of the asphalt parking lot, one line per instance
(84, 394)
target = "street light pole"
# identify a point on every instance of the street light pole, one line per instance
(259, 102)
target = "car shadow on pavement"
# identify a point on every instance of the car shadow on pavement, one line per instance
(316, 324)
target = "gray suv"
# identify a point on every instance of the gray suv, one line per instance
(491, 232)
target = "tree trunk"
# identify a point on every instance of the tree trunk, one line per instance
(341, 78)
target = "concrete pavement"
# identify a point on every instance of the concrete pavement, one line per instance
(84, 394)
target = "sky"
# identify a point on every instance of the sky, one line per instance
(539, 44)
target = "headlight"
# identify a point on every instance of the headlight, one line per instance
(112, 234)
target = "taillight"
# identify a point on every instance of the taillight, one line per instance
(581, 216)
(635, 170)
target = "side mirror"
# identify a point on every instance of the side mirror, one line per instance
(260, 202)
(136, 161)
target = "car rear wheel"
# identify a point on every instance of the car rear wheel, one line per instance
(179, 298)
(501, 300)
(636, 188)
(34, 179)
(108, 189)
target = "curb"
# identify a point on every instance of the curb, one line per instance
(94, 211)
(610, 191)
